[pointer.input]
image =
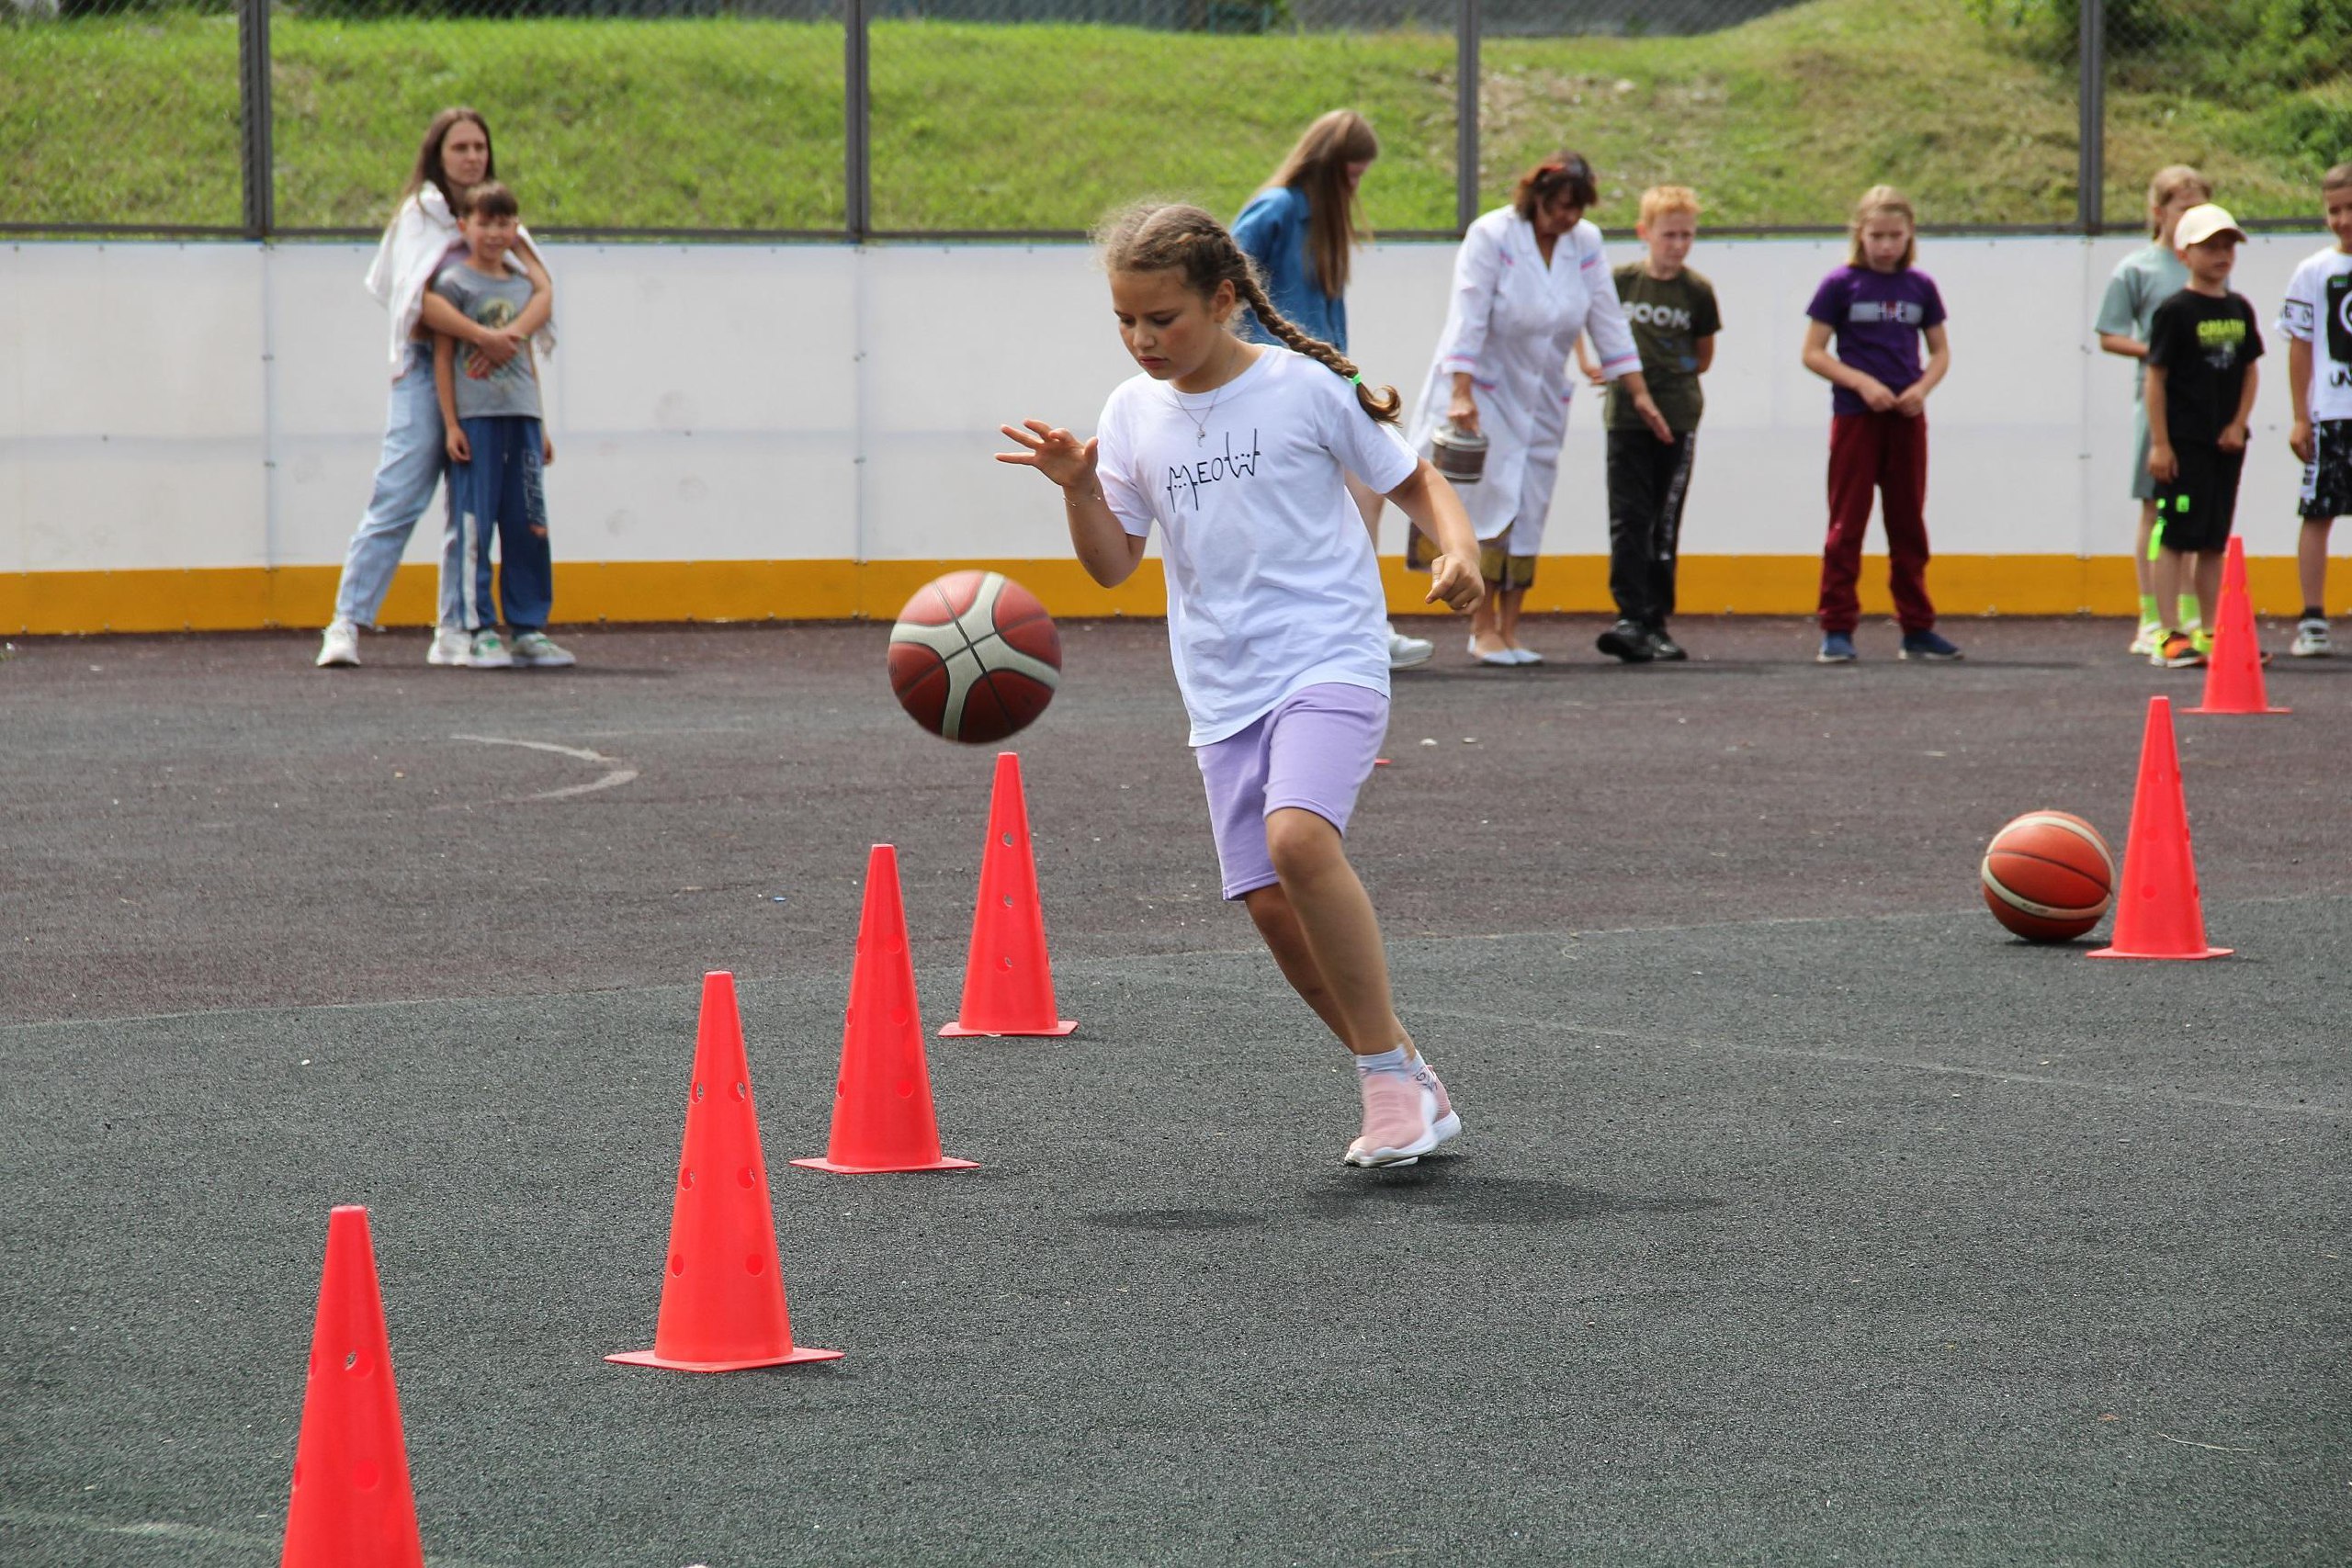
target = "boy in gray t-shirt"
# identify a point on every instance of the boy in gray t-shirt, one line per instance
(490, 417)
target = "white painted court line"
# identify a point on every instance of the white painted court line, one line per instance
(614, 777)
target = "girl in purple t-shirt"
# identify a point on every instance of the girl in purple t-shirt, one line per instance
(1878, 309)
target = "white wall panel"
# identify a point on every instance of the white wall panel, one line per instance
(730, 496)
(139, 340)
(137, 505)
(762, 402)
(710, 338)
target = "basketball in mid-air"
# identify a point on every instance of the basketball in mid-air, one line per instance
(973, 657)
(2048, 876)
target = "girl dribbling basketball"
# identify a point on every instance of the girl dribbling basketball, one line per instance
(1237, 452)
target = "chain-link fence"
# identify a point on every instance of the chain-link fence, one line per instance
(853, 119)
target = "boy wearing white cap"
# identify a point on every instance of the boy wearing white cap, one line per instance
(2201, 349)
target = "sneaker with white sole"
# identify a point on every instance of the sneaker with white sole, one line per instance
(1447, 1125)
(1928, 645)
(338, 644)
(537, 650)
(451, 647)
(1405, 1115)
(2311, 640)
(2148, 638)
(1837, 648)
(1405, 652)
(488, 652)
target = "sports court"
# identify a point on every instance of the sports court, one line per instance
(1803, 1215)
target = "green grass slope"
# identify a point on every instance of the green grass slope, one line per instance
(729, 123)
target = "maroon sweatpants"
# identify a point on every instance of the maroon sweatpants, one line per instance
(1886, 453)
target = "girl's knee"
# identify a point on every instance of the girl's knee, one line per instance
(1301, 843)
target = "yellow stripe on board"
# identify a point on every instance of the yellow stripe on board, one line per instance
(253, 598)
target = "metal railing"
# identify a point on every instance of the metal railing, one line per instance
(1019, 119)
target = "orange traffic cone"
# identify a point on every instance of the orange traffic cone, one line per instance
(1008, 979)
(882, 1114)
(2233, 670)
(351, 1505)
(2157, 911)
(722, 1295)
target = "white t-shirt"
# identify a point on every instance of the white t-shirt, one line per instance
(2319, 312)
(1272, 581)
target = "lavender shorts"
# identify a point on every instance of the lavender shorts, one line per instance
(1312, 751)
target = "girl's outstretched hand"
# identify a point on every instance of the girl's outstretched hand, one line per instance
(1054, 453)
(1457, 582)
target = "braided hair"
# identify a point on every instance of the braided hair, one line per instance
(1171, 237)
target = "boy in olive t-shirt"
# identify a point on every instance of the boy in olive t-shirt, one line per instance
(1672, 311)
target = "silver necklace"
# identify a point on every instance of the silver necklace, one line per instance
(1200, 425)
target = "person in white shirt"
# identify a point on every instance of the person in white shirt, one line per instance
(2317, 324)
(1238, 453)
(455, 156)
(1528, 277)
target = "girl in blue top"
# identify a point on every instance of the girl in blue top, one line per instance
(1300, 231)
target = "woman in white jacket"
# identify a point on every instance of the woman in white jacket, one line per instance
(1528, 277)
(455, 155)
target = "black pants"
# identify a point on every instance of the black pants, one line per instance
(1648, 482)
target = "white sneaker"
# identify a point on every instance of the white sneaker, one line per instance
(2311, 641)
(1404, 652)
(488, 652)
(2146, 641)
(451, 646)
(538, 651)
(339, 644)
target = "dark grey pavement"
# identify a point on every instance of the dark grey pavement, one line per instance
(1803, 1217)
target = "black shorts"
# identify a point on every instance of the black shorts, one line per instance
(2327, 478)
(2196, 509)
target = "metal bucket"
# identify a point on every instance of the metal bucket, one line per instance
(1460, 456)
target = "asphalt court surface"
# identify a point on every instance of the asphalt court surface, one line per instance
(1802, 1216)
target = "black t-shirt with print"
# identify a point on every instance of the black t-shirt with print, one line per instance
(2203, 345)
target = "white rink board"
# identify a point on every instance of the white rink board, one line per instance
(203, 405)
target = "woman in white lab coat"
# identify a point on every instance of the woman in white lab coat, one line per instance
(1528, 277)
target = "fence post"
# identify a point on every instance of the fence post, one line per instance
(2090, 175)
(1465, 115)
(858, 176)
(254, 102)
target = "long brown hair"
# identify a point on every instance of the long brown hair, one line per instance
(428, 156)
(1170, 237)
(1318, 166)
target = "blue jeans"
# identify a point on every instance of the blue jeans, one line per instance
(405, 475)
(503, 489)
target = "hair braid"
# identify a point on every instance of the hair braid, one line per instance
(1384, 405)
(1170, 237)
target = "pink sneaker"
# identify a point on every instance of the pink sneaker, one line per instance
(1443, 1121)
(1405, 1115)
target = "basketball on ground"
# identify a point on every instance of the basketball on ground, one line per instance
(973, 657)
(2048, 876)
